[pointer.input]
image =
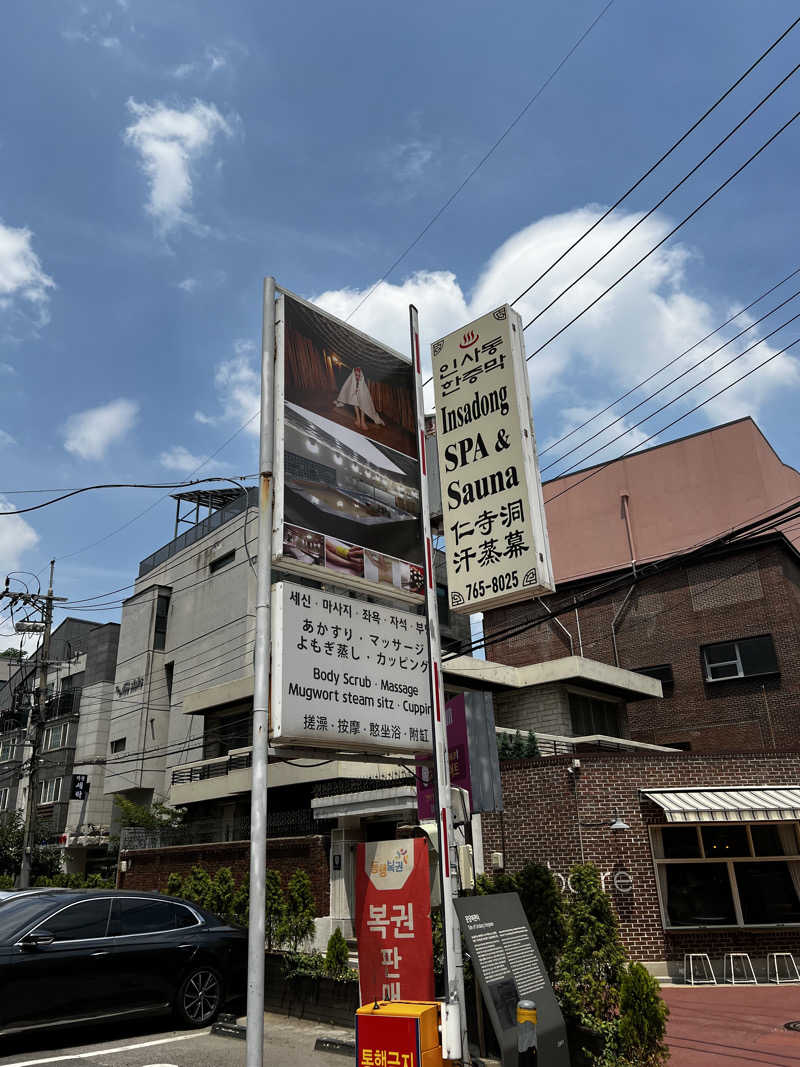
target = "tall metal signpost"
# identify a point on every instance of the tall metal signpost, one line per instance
(258, 792)
(454, 1023)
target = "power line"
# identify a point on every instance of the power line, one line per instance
(660, 160)
(691, 411)
(675, 399)
(664, 198)
(481, 161)
(666, 366)
(664, 239)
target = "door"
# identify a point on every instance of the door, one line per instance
(154, 942)
(71, 978)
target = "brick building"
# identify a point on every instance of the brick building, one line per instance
(703, 885)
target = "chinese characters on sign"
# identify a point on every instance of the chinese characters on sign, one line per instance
(493, 513)
(347, 674)
(395, 948)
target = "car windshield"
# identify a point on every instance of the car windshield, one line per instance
(17, 911)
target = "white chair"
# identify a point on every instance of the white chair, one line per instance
(701, 960)
(740, 960)
(785, 961)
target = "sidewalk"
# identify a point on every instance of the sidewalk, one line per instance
(732, 1025)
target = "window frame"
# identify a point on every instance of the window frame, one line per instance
(220, 562)
(42, 923)
(45, 803)
(740, 675)
(729, 861)
(587, 694)
(120, 742)
(49, 731)
(11, 745)
(149, 933)
(5, 796)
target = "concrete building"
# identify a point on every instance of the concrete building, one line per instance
(72, 809)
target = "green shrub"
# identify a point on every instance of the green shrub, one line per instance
(241, 901)
(221, 893)
(274, 911)
(97, 881)
(297, 926)
(337, 957)
(531, 746)
(174, 885)
(197, 886)
(543, 905)
(6, 881)
(517, 750)
(589, 972)
(642, 1020)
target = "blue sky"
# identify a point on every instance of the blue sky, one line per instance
(160, 157)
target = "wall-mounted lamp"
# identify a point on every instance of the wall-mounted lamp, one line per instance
(619, 824)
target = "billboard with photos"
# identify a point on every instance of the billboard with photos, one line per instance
(347, 498)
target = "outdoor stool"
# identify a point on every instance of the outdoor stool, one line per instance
(689, 976)
(731, 961)
(776, 960)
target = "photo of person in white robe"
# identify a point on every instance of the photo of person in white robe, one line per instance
(355, 393)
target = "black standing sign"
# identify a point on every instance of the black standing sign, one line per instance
(509, 968)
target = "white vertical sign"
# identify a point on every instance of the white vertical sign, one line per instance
(492, 506)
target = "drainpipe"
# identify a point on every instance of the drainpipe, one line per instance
(560, 625)
(615, 620)
(626, 514)
(578, 624)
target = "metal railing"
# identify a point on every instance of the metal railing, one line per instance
(212, 769)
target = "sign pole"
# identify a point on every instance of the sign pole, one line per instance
(258, 791)
(454, 1037)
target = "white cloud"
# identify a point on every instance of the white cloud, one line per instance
(214, 59)
(92, 36)
(648, 319)
(169, 143)
(6, 368)
(88, 434)
(16, 537)
(188, 285)
(23, 283)
(182, 460)
(238, 384)
(6, 439)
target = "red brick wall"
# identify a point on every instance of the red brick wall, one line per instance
(150, 868)
(539, 825)
(661, 625)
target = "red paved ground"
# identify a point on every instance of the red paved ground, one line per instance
(732, 1025)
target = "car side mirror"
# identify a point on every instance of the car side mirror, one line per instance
(38, 939)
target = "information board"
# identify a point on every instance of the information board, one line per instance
(347, 674)
(509, 968)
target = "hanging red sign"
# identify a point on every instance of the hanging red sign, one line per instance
(393, 920)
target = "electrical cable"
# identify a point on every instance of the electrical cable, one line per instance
(669, 403)
(664, 198)
(667, 236)
(674, 360)
(660, 160)
(480, 162)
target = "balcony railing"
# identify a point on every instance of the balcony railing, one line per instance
(217, 768)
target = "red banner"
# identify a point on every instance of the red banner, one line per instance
(393, 921)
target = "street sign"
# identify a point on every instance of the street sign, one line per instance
(80, 787)
(509, 969)
(347, 674)
(393, 920)
(492, 505)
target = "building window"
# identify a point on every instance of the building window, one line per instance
(746, 658)
(7, 749)
(592, 716)
(50, 791)
(221, 561)
(4, 793)
(118, 744)
(160, 629)
(728, 874)
(54, 737)
(663, 672)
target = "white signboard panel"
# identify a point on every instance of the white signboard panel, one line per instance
(347, 674)
(492, 507)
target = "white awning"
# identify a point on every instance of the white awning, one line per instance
(752, 804)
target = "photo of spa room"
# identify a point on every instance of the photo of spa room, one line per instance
(362, 496)
(343, 376)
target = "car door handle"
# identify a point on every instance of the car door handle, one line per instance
(96, 955)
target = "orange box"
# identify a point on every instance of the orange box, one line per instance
(398, 1033)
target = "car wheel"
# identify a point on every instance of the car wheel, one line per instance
(199, 997)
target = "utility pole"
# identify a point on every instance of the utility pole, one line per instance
(37, 718)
